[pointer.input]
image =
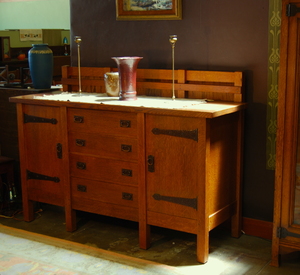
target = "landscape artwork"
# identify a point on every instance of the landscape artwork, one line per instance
(145, 5)
(148, 9)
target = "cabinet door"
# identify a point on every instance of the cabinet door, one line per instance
(43, 154)
(173, 164)
(286, 231)
(289, 140)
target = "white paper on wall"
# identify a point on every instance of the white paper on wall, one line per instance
(31, 35)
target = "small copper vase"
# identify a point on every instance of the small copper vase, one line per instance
(127, 66)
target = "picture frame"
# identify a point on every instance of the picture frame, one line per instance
(5, 53)
(149, 9)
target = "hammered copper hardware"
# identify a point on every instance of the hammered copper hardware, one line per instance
(291, 10)
(81, 188)
(283, 233)
(59, 150)
(125, 123)
(182, 201)
(150, 162)
(190, 134)
(127, 196)
(125, 148)
(81, 165)
(36, 119)
(36, 176)
(80, 142)
(78, 119)
(127, 172)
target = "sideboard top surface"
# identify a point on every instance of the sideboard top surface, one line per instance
(144, 104)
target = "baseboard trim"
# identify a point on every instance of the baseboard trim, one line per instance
(257, 228)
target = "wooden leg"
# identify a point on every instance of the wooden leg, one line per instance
(236, 220)
(28, 205)
(275, 248)
(144, 228)
(71, 223)
(28, 210)
(236, 225)
(144, 236)
(202, 247)
(275, 261)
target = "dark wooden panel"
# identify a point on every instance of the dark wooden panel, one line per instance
(8, 120)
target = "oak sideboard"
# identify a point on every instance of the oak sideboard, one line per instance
(156, 161)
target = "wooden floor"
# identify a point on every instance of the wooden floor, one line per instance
(246, 255)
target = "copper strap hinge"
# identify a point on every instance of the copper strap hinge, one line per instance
(36, 119)
(291, 9)
(36, 176)
(182, 201)
(283, 233)
(190, 134)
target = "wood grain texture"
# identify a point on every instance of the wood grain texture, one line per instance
(287, 135)
(183, 170)
(224, 86)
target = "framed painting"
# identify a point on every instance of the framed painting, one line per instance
(149, 9)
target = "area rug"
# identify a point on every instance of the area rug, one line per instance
(23, 252)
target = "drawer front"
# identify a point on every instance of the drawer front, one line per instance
(124, 148)
(102, 122)
(104, 192)
(108, 170)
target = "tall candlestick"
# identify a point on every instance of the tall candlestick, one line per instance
(77, 39)
(173, 39)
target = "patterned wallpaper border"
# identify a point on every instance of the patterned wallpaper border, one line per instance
(273, 72)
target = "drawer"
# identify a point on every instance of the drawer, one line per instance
(83, 189)
(102, 122)
(119, 147)
(107, 170)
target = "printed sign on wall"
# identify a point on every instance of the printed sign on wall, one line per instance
(31, 35)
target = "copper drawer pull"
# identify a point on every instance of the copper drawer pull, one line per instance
(125, 148)
(125, 123)
(80, 142)
(127, 172)
(81, 188)
(78, 119)
(127, 196)
(81, 165)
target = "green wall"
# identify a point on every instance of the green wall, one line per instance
(35, 14)
(53, 37)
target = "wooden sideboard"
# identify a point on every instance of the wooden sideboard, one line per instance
(174, 164)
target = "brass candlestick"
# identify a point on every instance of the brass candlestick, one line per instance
(77, 39)
(173, 39)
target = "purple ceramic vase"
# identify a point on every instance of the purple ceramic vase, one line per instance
(127, 66)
